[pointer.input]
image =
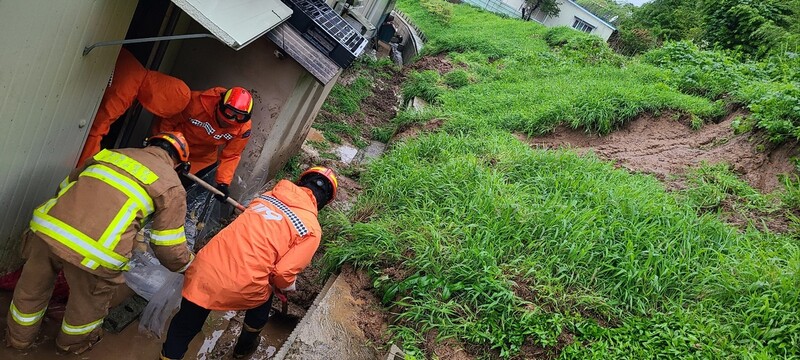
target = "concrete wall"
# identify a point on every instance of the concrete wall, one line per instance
(287, 99)
(49, 94)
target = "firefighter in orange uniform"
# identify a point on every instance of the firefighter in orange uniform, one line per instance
(160, 94)
(214, 118)
(262, 250)
(88, 230)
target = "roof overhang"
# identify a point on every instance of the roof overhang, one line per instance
(236, 23)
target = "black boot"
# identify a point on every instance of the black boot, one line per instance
(247, 343)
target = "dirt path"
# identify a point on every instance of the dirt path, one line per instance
(663, 146)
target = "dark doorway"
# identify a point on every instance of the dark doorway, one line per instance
(151, 18)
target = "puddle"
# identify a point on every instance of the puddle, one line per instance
(215, 342)
(127, 345)
(208, 344)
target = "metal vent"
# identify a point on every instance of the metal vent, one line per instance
(326, 30)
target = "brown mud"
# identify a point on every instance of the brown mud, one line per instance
(664, 146)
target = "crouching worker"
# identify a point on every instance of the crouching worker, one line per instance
(265, 247)
(88, 230)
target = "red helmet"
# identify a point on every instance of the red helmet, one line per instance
(236, 105)
(175, 139)
(328, 174)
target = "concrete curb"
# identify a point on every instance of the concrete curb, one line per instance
(284, 350)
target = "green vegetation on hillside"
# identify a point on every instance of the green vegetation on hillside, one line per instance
(473, 236)
(752, 27)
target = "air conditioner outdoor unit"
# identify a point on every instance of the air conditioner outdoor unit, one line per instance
(326, 30)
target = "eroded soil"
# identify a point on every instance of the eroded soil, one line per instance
(664, 146)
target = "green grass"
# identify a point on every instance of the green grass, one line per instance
(457, 78)
(474, 235)
(346, 99)
(426, 85)
(472, 220)
(712, 185)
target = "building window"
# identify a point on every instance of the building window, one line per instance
(582, 25)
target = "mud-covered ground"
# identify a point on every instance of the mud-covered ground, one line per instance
(665, 146)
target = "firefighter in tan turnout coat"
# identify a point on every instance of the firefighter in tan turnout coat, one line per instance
(88, 230)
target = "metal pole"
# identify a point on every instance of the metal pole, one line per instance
(89, 48)
(213, 190)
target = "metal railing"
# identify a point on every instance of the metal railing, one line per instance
(495, 6)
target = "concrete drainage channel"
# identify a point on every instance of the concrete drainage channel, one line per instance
(330, 330)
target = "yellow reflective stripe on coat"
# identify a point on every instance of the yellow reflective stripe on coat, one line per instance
(168, 237)
(123, 184)
(124, 217)
(23, 318)
(131, 166)
(65, 184)
(77, 241)
(113, 233)
(80, 329)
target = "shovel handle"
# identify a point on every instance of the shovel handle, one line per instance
(213, 190)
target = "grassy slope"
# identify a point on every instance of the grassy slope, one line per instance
(473, 234)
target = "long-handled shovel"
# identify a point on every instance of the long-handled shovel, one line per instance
(213, 190)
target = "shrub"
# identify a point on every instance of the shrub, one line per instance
(632, 42)
(777, 110)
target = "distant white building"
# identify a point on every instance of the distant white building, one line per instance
(572, 15)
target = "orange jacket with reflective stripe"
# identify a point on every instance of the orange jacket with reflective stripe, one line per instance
(160, 94)
(260, 248)
(199, 126)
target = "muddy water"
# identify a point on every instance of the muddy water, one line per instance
(215, 342)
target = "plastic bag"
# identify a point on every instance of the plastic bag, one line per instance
(162, 305)
(146, 275)
(203, 213)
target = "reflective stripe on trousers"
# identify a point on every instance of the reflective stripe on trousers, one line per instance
(78, 330)
(23, 318)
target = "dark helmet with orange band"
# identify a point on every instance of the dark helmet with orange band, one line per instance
(322, 182)
(236, 105)
(175, 144)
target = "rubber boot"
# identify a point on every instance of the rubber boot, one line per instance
(247, 343)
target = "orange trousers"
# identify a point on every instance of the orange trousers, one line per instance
(87, 306)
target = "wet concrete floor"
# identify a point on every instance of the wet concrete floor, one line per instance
(215, 342)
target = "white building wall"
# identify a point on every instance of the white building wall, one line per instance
(49, 93)
(569, 11)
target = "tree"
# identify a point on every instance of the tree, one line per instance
(547, 7)
(751, 26)
(668, 19)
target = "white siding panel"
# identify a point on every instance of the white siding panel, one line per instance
(567, 17)
(49, 94)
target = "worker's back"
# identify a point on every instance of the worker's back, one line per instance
(263, 245)
(93, 221)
